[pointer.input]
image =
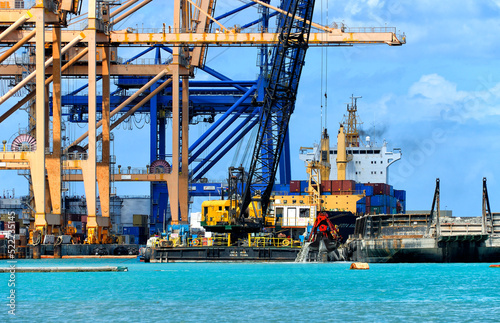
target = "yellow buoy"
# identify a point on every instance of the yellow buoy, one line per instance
(359, 265)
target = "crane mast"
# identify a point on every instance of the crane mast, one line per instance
(279, 100)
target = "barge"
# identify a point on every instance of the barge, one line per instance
(396, 238)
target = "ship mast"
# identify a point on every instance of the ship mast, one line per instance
(351, 123)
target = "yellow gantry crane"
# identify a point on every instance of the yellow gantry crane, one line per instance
(45, 24)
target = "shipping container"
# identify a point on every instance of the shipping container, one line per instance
(326, 186)
(294, 186)
(378, 189)
(304, 186)
(377, 200)
(361, 208)
(368, 203)
(131, 231)
(368, 190)
(391, 190)
(128, 239)
(140, 220)
(348, 186)
(400, 195)
(394, 202)
(336, 186)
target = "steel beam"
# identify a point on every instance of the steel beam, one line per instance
(89, 166)
(54, 160)
(37, 162)
(376, 35)
(31, 95)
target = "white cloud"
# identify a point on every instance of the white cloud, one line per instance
(436, 89)
(434, 98)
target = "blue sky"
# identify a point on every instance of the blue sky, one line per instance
(437, 97)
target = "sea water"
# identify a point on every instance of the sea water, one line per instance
(254, 292)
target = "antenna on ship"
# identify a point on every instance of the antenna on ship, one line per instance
(351, 122)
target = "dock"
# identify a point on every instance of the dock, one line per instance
(62, 269)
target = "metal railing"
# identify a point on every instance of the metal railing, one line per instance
(370, 29)
(273, 242)
(212, 241)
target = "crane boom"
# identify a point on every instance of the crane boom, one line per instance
(279, 100)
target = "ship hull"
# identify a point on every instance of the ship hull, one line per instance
(424, 250)
(220, 254)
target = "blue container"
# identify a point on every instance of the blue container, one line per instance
(394, 202)
(279, 188)
(134, 231)
(361, 208)
(368, 190)
(400, 195)
(303, 186)
(362, 201)
(391, 190)
(378, 200)
(359, 187)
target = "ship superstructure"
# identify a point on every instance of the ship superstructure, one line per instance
(367, 162)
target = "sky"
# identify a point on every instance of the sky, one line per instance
(437, 97)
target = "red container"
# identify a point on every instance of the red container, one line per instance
(378, 189)
(326, 186)
(368, 201)
(294, 186)
(348, 186)
(336, 186)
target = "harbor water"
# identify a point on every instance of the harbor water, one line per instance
(244, 292)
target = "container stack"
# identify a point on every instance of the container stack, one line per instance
(137, 234)
(18, 238)
(381, 198)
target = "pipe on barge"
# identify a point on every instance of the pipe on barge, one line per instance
(62, 269)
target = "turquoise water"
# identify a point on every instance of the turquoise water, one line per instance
(230, 292)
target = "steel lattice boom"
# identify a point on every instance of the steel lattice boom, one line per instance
(279, 100)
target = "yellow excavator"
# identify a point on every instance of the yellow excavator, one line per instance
(225, 215)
